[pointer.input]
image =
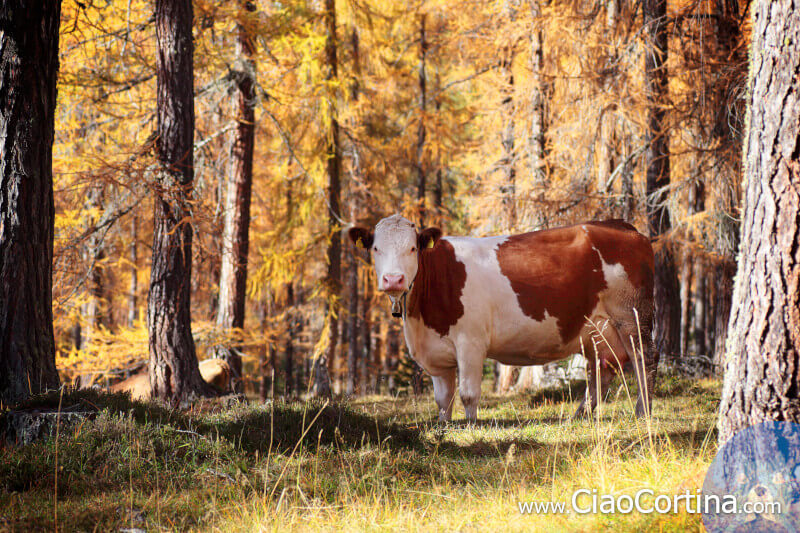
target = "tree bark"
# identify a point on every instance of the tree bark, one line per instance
(367, 368)
(93, 312)
(288, 342)
(236, 228)
(536, 138)
(667, 302)
(507, 111)
(420, 152)
(353, 348)
(334, 254)
(174, 373)
(762, 364)
(133, 288)
(28, 75)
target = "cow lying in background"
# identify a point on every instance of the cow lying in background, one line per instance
(216, 372)
(526, 299)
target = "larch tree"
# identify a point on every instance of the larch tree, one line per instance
(28, 74)
(173, 368)
(667, 303)
(762, 363)
(236, 227)
(333, 170)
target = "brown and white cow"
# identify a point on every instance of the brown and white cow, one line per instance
(524, 299)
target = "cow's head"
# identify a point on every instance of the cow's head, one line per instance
(395, 245)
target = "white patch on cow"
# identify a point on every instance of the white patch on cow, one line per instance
(493, 317)
(614, 273)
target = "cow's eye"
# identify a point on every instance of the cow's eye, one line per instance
(375, 249)
(413, 249)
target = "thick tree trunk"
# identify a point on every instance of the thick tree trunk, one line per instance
(333, 153)
(174, 373)
(667, 302)
(762, 364)
(235, 234)
(28, 73)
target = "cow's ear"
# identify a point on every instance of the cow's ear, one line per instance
(428, 237)
(361, 237)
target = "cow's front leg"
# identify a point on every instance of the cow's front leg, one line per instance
(444, 390)
(470, 374)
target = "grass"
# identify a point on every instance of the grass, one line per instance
(377, 463)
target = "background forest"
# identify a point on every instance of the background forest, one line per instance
(176, 178)
(479, 117)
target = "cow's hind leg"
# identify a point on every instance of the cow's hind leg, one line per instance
(444, 391)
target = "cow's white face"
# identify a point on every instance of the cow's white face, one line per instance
(395, 247)
(394, 253)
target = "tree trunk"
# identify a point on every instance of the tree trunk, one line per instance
(174, 374)
(266, 311)
(762, 364)
(235, 234)
(666, 292)
(536, 139)
(420, 153)
(366, 337)
(133, 288)
(353, 346)
(93, 254)
(507, 134)
(334, 165)
(288, 341)
(28, 72)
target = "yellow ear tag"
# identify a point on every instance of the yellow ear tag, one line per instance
(430, 243)
(359, 243)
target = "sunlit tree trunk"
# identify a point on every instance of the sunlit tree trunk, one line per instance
(94, 253)
(422, 80)
(536, 137)
(507, 110)
(28, 75)
(667, 301)
(235, 234)
(762, 364)
(133, 287)
(174, 373)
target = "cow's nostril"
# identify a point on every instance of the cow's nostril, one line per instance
(760, 491)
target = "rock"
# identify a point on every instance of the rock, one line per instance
(26, 426)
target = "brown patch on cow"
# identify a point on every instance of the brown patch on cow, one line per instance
(436, 294)
(620, 243)
(555, 271)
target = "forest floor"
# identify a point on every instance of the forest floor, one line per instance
(377, 463)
